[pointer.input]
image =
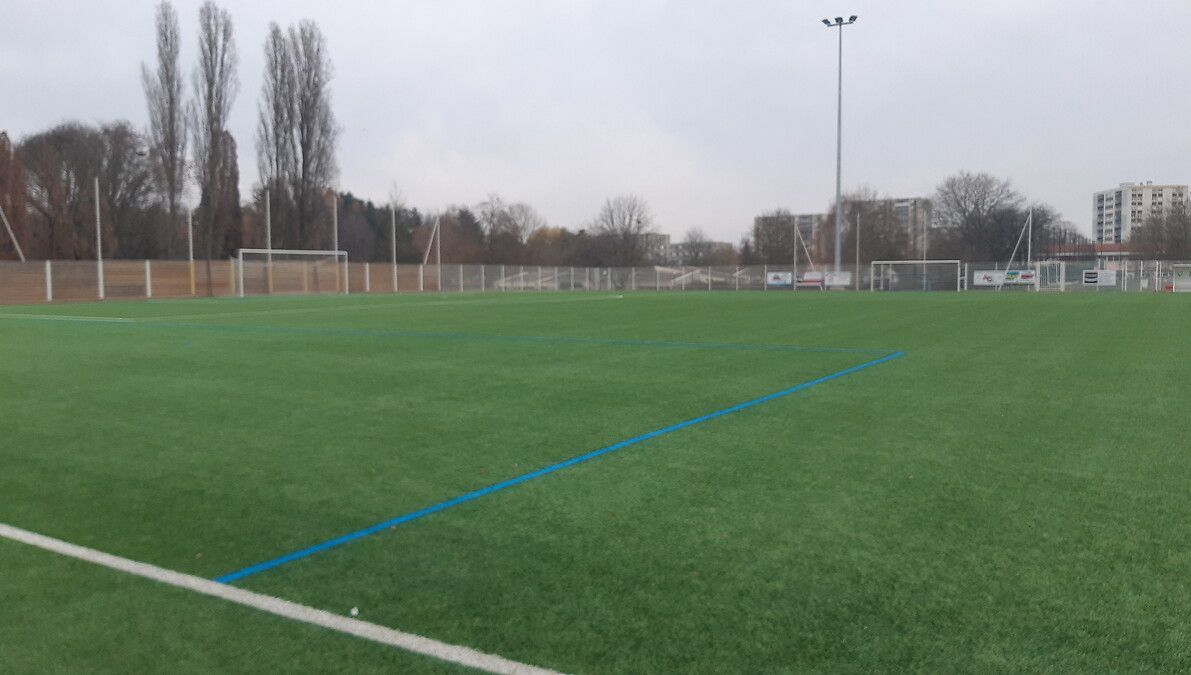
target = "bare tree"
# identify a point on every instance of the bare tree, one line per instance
(775, 239)
(1165, 236)
(966, 199)
(126, 178)
(275, 137)
(12, 201)
(215, 87)
(167, 120)
(315, 131)
(624, 224)
(696, 247)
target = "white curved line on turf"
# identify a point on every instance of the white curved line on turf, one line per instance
(463, 656)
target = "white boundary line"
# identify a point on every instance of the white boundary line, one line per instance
(298, 310)
(316, 617)
(67, 317)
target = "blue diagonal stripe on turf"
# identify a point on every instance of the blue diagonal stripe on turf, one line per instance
(505, 484)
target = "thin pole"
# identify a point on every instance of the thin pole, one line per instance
(268, 241)
(393, 242)
(335, 240)
(839, 151)
(856, 284)
(1030, 240)
(190, 246)
(16, 244)
(98, 242)
(438, 255)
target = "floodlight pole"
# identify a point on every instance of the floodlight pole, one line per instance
(839, 24)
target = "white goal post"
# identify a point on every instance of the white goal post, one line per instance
(915, 275)
(262, 271)
(1180, 281)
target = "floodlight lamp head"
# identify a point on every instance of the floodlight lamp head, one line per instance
(827, 22)
(839, 19)
(852, 19)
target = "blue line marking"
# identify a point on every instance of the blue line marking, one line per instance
(505, 484)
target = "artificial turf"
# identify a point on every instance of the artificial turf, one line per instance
(1009, 495)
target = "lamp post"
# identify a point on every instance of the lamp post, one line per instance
(839, 24)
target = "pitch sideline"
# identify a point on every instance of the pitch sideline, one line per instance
(464, 656)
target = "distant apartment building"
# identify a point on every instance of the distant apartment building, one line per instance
(656, 246)
(914, 215)
(1115, 212)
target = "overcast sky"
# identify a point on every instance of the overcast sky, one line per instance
(710, 109)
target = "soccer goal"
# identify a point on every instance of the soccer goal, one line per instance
(1181, 277)
(1052, 276)
(262, 271)
(915, 275)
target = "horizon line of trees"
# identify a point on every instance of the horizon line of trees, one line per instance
(47, 187)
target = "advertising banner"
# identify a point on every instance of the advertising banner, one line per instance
(1004, 278)
(838, 279)
(1099, 277)
(780, 279)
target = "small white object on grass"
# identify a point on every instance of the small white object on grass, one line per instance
(355, 611)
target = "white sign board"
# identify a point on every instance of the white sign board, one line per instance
(838, 279)
(1099, 277)
(1182, 279)
(1004, 278)
(780, 279)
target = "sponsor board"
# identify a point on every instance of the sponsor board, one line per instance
(780, 279)
(1099, 277)
(838, 279)
(1004, 278)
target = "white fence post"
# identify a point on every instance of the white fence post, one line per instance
(765, 277)
(483, 279)
(49, 281)
(148, 279)
(709, 278)
(421, 278)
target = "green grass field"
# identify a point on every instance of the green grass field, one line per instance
(1011, 494)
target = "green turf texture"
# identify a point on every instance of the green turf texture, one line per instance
(1010, 495)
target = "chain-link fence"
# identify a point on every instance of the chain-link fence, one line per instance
(74, 280)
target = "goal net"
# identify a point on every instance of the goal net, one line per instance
(1052, 276)
(1181, 277)
(285, 271)
(915, 275)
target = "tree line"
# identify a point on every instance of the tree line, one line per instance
(183, 168)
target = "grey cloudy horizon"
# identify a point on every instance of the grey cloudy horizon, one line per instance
(712, 111)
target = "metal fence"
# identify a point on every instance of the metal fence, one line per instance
(53, 281)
